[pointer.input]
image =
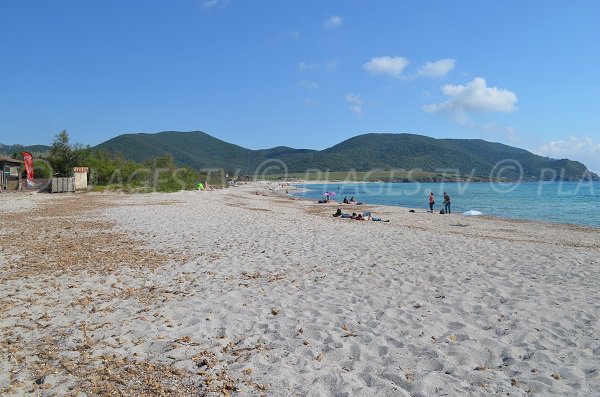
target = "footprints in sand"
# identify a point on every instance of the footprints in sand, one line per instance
(310, 307)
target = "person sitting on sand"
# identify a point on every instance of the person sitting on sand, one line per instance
(353, 201)
(346, 200)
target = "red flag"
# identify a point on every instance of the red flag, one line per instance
(28, 159)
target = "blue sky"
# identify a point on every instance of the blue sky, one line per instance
(305, 74)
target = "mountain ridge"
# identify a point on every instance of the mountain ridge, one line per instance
(8, 150)
(364, 152)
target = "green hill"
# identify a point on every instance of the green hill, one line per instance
(362, 153)
(9, 150)
(195, 149)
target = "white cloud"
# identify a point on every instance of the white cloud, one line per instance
(311, 85)
(333, 22)
(394, 66)
(304, 66)
(584, 150)
(476, 96)
(355, 103)
(331, 66)
(437, 69)
(214, 3)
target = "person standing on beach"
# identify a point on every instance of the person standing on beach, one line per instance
(431, 202)
(446, 203)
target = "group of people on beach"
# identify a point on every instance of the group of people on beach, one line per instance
(365, 216)
(446, 203)
(351, 201)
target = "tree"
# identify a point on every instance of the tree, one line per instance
(63, 156)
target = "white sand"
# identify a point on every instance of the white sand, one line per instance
(278, 298)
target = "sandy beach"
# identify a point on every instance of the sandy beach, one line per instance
(234, 293)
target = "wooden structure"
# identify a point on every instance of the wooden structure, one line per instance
(10, 173)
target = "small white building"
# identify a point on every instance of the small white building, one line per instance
(81, 177)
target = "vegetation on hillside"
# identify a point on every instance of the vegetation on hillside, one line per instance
(370, 176)
(35, 150)
(469, 158)
(174, 160)
(115, 172)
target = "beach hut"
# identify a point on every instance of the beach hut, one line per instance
(81, 178)
(10, 175)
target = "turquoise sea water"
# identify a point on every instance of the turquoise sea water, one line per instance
(561, 202)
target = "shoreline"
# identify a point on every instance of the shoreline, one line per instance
(417, 209)
(455, 222)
